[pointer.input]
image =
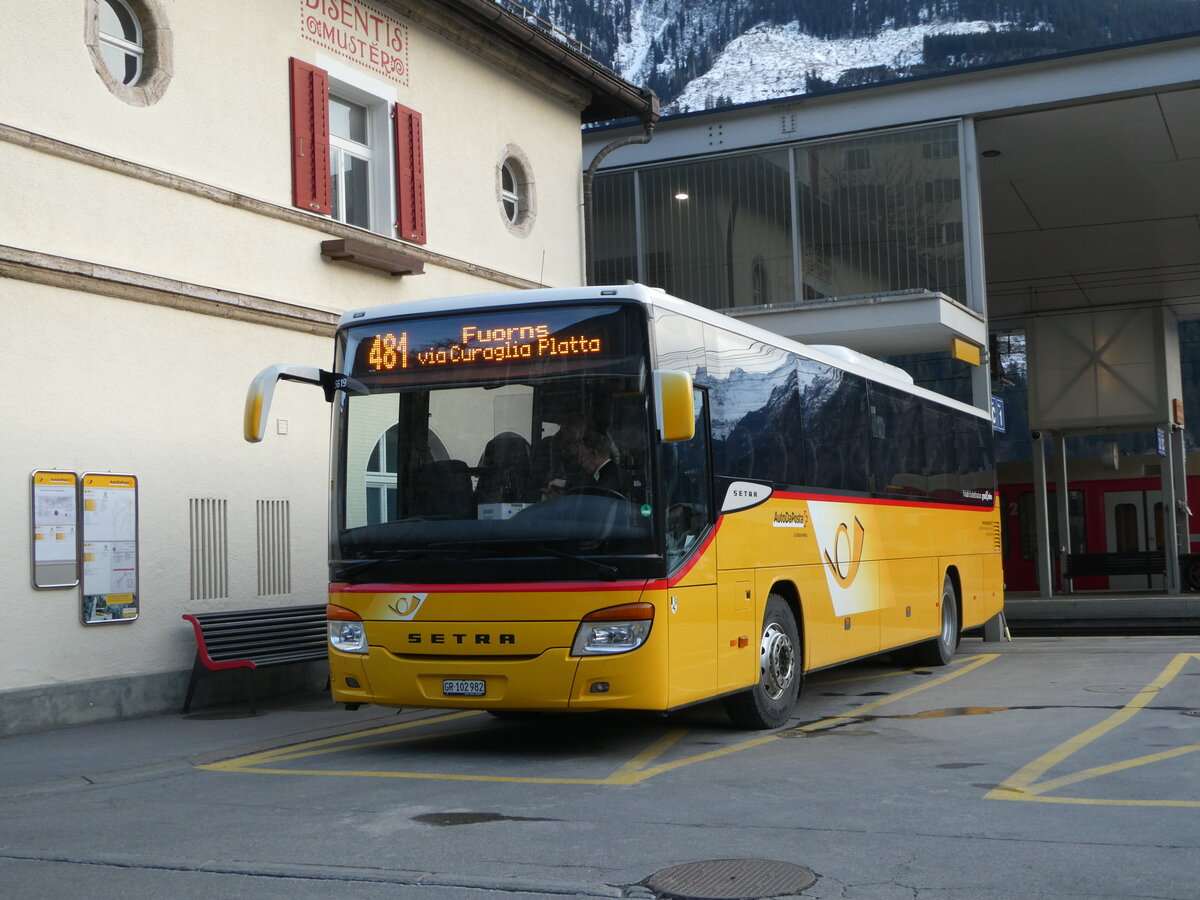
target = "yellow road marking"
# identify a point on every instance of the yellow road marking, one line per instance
(852, 716)
(647, 756)
(294, 751)
(1025, 784)
(635, 770)
(1097, 771)
(870, 677)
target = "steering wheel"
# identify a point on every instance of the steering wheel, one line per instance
(595, 490)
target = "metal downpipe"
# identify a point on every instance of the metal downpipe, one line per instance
(589, 176)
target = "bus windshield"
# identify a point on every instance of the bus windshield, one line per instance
(471, 446)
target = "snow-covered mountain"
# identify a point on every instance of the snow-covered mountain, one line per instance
(770, 61)
(702, 53)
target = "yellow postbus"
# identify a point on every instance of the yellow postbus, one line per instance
(609, 498)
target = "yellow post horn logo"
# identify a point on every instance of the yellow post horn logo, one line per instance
(845, 571)
(405, 606)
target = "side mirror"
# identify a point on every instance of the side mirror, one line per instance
(258, 398)
(674, 405)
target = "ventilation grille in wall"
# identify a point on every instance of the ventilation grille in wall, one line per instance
(209, 523)
(274, 547)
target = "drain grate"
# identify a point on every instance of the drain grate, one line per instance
(731, 879)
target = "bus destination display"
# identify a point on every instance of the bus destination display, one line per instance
(390, 350)
(440, 348)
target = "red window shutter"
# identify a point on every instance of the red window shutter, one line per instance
(410, 176)
(310, 138)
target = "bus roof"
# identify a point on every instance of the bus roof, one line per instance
(837, 356)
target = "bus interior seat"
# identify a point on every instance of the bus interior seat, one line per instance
(443, 488)
(505, 468)
(908, 483)
(945, 487)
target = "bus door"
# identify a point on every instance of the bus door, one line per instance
(691, 613)
(1133, 521)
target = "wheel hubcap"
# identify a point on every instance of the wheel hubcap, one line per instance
(948, 620)
(777, 659)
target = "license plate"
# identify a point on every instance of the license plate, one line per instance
(452, 687)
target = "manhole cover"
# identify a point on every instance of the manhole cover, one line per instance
(731, 879)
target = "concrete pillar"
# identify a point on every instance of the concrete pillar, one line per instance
(1041, 505)
(1063, 504)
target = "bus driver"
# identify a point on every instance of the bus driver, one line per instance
(597, 469)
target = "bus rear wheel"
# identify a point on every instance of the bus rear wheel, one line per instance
(940, 650)
(769, 703)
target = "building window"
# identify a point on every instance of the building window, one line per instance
(381, 478)
(514, 191)
(120, 40)
(356, 156)
(129, 42)
(858, 159)
(350, 166)
(943, 190)
(758, 284)
(942, 234)
(510, 200)
(940, 149)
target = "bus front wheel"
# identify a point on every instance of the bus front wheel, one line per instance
(940, 650)
(769, 703)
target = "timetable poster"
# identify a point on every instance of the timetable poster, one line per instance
(110, 551)
(55, 497)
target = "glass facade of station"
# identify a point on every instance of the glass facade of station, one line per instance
(870, 214)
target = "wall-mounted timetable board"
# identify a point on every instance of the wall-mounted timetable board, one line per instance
(109, 547)
(54, 520)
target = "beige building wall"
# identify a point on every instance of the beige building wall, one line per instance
(151, 263)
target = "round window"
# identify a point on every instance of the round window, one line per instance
(510, 200)
(130, 46)
(514, 190)
(120, 41)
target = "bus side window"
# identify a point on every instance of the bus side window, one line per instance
(687, 489)
(833, 410)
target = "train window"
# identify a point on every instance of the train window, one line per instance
(1075, 519)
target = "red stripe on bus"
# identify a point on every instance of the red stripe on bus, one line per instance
(514, 587)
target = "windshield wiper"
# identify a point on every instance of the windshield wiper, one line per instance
(607, 571)
(352, 567)
(603, 569)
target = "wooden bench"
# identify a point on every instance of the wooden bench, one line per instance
(255, 638)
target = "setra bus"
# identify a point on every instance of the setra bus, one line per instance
(609, 498)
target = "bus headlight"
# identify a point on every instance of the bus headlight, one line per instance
(616, 629)
(346, 631)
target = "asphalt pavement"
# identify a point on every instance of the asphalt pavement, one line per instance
(1042, 767)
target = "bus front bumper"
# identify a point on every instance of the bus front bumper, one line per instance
(551, 680)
